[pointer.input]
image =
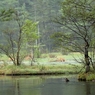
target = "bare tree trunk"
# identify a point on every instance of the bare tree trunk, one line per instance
(18, 61)
(87, 61)
(19, 40)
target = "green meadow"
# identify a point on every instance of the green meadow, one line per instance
(45, 66)
(42, 66)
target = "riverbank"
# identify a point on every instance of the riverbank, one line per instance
(90, 76)
(39, 69)
(66, 69)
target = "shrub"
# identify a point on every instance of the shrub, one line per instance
(86, 76)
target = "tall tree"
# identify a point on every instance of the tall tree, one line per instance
(78, 17)
(14, 35)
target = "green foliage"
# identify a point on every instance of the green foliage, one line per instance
(77, 16)
(82, 77)
(30, 30)
(91, 77)
(78, 11)
(86, 76)
(41, 11)
(61, 37)
(14, 37)
(6, 14)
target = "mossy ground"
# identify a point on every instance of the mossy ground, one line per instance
(90, 76)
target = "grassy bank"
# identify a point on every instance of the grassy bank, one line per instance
(90, 76)
(66, 69)
(46, 69)
(39, 69)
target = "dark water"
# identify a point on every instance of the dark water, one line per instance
(45, 86)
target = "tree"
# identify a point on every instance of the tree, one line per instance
(78, 17)
(14, 34)
(30, 36)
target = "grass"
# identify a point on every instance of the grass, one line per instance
(46, 69)
(90, 76)
(42, 69)
(48, 56)
(39, 69)
(69, 56)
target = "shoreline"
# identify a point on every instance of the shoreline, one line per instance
(37, 73)
(41, 70)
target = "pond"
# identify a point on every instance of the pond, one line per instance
(45, 85)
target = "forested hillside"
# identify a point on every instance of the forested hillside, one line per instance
(41, 11)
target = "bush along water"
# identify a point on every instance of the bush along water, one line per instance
(90, 76)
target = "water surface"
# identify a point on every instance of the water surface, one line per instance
(43, 85)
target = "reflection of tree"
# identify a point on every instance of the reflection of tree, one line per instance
(17, 87)
(88, 90)
(27, 86)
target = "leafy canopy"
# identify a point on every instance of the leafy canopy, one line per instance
(29, 30)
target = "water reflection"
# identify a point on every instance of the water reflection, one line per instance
(87, 86)
(53, 87)
(45, 86)
(17, 87)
